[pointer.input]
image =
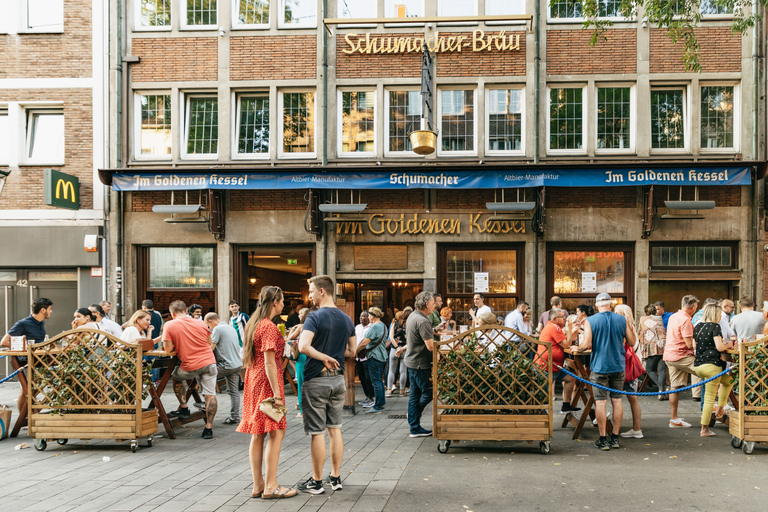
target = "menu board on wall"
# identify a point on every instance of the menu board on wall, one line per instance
(381, 257)
(481, 282)
(589, 281)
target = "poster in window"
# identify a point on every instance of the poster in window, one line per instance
(588, 282)
(481, 282)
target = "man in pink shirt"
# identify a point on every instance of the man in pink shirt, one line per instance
(191, 340)
(678, 355)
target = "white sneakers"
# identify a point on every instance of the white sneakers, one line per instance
(637, 434)
(679, 423)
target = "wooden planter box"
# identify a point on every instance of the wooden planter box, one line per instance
(92, 426)
(496, 427)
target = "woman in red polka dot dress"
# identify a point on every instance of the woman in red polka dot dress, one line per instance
(262, 357)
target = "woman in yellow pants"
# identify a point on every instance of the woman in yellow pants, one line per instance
(709, 345)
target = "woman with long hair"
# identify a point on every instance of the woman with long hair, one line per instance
(262, 358)
(138, 327)
(396, 362)
(634, 403)
(652, 338)
(301, 359)
(375, 337)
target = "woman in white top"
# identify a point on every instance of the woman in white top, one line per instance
(138, 327)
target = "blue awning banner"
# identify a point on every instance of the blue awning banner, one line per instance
(443, 179)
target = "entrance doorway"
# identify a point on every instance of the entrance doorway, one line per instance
(389, 296)
(672, 292)
(286, 266)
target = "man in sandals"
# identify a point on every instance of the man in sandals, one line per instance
(327, 338)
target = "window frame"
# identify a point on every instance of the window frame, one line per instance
(29, 112)
(632, 117)
(6, 140)
(584, 119)
(415, 18)
(628, 296)
(238, 95)
(137, 123)
(148, 264)
(736, 116)
(713, 17)
(26, 29)
(183, 25)
(387, 119)
(439, 122)
(281, 131)
(187, 97)
(504, 87)
(340, 123)
(235, 22)
(138, 27)
(281, 24)
(687, 121)
(442, 269)
(580, 19)
(733, 245)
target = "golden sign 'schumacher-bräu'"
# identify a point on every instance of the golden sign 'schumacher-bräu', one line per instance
(478, 42)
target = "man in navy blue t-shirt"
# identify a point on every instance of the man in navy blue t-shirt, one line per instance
(327, 338)
(33, 327)
(604, 333)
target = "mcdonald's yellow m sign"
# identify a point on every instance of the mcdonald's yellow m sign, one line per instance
(67, 187)
(62, 190)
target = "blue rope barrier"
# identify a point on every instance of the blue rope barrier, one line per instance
(637, 393)
(12, 375)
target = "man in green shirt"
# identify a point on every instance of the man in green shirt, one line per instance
(434, 317)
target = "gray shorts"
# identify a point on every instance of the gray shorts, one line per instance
(206, 376)
(609, 380)
(322, 402)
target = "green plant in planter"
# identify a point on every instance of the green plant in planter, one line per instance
(506, 376)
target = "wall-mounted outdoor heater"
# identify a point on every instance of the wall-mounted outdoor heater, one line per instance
(181, 209)
(680, 205)
(517, 207)
(337, 207)
(424, 140)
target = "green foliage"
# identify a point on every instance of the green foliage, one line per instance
(755, 387)
(678, 17)
(506, 376)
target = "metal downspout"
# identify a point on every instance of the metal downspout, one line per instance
(536, 131)
(324, 228)
(120, 295)
(755, 217)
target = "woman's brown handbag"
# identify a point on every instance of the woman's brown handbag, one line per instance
(275, 412)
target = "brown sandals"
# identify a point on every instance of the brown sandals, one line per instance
(280, 493)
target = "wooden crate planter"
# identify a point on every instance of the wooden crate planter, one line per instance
(80, 388)
(490, 388)
(749, 425)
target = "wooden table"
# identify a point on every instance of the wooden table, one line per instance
(585, 393)
(14, 356)
(156, 392)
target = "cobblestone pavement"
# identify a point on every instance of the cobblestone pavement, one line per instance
(384, 469)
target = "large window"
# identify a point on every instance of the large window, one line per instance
(200, 13)
(717, 113)
(202, 126)
(457, 7)
(357, 9)
(155, 127)
(298, 13)
(45, 136)
(403, 114)
(459, 266)
(44, 15)
(251, 13)
(153, 14)
(703, 256)
(181, 267)
(566, 119)
(573, 9)
(457, 121)
(668, 118)
(614, 118)
(403, 8)
(500, 7)
(505, 120)
(711, 7)
(357, 122)
(4, 134)
(253, 124)
(298, 128)
(577, 274)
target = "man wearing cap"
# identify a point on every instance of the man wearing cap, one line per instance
(604, 333)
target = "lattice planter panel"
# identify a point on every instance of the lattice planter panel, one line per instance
(490, 388)
(749, 425)
(87, 384)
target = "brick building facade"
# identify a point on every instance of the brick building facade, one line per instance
(271, 93)
(53, 108)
